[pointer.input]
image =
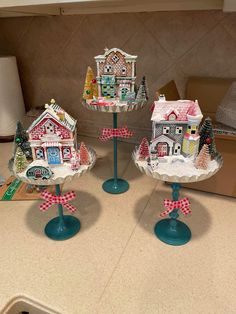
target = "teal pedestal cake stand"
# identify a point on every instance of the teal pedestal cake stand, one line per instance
(171, 230)
(62, 227)
(115, 185)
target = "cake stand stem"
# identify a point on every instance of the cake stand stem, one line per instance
(115, 147)
(115, 185)
(171, 230)
(62, 227)
(60, 209)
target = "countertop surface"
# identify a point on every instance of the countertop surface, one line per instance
(115, 264)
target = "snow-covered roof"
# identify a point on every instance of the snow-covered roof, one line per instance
(128, 57)
(52, 110)
(185, 110)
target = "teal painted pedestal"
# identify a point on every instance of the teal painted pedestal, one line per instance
(115, 185)
(171, 230)
(62, 227)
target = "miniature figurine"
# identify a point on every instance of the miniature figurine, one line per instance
(36, 171)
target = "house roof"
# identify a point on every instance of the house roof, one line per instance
(52, 110)
(128, 57)
(185, 110)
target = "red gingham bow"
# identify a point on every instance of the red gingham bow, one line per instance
(108, 133)
(182, 204)
(53, 199)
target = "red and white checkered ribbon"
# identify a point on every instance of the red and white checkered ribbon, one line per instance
(53, 199)
(108, 133)
(182, 204)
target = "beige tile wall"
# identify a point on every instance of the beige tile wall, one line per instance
(54, 52)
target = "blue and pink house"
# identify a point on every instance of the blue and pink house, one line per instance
(52, 135)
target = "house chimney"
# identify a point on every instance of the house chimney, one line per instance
(61, 115)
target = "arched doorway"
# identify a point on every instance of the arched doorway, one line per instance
(162, 149)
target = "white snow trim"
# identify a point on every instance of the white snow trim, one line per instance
(107, 52)
(162, 138)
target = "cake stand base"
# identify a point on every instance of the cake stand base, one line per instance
(174, 235)
(62, 231)
(113, 186)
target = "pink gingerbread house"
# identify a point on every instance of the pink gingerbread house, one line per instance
(52, 135)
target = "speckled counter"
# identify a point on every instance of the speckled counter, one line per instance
(115, 264)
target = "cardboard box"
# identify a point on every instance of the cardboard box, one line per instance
(209, 92)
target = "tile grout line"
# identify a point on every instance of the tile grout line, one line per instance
(216, 24)
(127, 242)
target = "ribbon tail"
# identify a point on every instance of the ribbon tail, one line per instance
(186, 210)
(166, 212)
(46, 195)
(103, 138)
(70, 207)
(43, 207)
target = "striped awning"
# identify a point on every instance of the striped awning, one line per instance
(51, 144)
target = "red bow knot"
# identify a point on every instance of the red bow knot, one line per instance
(108, 133)
(182, 204)
(53, 199)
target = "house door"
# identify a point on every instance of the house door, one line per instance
(123, 92)
(53, 154)
(162, 149)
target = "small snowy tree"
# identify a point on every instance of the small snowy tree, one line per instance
(20, 161)
(142, 91)
(90, 85)
(143, 150)
(84, 154)
(21, 140)
(207, 137)
(203, 159)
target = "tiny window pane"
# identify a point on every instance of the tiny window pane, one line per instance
(108, 69)
(178, 130)
(115, 58)
(166, 130)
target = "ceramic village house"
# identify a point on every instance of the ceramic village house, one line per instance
(52, 135)
(175, 128)
(116, 73)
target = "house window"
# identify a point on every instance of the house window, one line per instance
(123, 70)
(172, 116)
(108, 68)
(49, 128)
(39, 154)
(179, 130)
(177, 149)
(66, 153)
(115, 58)
(166, 130)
